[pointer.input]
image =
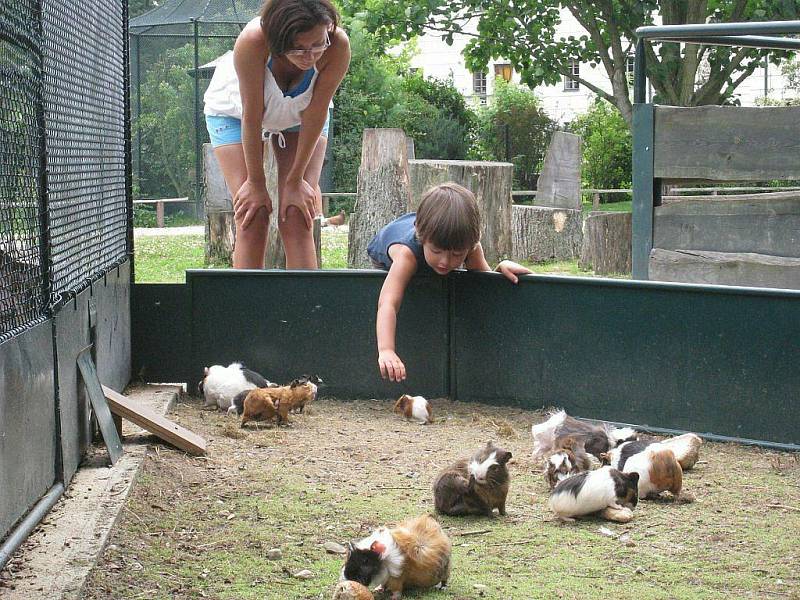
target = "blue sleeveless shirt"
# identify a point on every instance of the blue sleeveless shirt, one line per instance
(399, 231)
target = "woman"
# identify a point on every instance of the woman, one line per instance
(277, 85)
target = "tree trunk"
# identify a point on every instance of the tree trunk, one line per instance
(220, 237)
(383, 191)
(541, 233)
(607, 243)
(491, 184)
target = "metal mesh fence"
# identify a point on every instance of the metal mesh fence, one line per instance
(22, 293)
(62, 113)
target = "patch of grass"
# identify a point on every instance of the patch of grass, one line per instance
(623, 206)
(164, 259)
(334, 249)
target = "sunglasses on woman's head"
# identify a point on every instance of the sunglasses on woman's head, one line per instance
(313, 50)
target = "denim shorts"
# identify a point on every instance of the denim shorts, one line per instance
(228, 130)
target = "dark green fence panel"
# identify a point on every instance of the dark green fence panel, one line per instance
(287, 323)
(27, 422)
(701, 358)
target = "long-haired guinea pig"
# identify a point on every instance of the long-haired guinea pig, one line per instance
(658, 469)
(261, 404)
(306, 388)
(474, 486)
(686, 448)
(566, 461)
(415, 553)
(220, 385)
(351, 590)
(607, 491)
(414, 408)
(597, 438)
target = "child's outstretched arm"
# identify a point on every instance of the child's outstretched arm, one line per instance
(476, 261)
(404, 265)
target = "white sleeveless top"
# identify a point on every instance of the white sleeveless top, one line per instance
(223, 98)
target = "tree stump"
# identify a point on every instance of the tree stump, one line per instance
(490, 182)
(542, 233)
(607, 243)
(559, 183)
(383, 191)
(220, 229)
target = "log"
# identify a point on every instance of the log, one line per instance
(383, 191)
(607, 243)
(761, 226)
(725, 268)
(490, 182)
(220, 237)
(559, 183)
(541, 233)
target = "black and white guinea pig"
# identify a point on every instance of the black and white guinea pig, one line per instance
(220, 385)
(597, 438)
(607, 491)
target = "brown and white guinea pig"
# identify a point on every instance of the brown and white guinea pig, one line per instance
(220, 385)
(474, 486)
(415, 553)
(685, 447)
(305, 391)
(607, 491)
(414, 408)
(658, 469)
(351, 590)
(566, 461)
(260, 404)
(597, 438)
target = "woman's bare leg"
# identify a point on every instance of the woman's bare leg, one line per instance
(298, 241)
(251, 243)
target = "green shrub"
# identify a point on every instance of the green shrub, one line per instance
(607, 148)
(144, 215)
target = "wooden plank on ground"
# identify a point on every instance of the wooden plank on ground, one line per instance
(725, 268)
(156, 424)
(757, 226)
(727, 143)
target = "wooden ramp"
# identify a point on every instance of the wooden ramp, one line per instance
(148, 419)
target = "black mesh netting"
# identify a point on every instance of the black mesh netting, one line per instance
(22, 286)
(84, 101)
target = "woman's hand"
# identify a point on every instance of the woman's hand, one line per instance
(250, 198)
(511, 269)
(301, 195)
(391, 366)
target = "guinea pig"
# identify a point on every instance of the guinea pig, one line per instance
(658, 469)
(415, 553)
(607, 491)
(309, 385)
(351, 590)
(685, 447)
(220, 385)
(414, 408)
(566, 461)
(474, 486)
(597, 438)
(260, 404)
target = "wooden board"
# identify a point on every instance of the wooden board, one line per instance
(148, 419)
(734, 225)
(725, 268)
(727, 143)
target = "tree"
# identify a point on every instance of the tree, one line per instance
(524, 33)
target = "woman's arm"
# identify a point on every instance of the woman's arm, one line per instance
(404, 265)
(249, 55)
(476, 261)
(331, 73)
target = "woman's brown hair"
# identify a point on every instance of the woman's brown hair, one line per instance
(282, 20)
(448, 218)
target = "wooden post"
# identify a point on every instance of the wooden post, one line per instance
(160, 214)
(596, 201)
(384, 191)
(490, 182)
(559, 183)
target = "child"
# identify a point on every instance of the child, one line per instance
(442, 235)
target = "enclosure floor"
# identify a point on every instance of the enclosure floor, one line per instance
(203, 527)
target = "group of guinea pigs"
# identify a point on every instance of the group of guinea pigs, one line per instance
(592, 469)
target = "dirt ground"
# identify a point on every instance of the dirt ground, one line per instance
(211, 527)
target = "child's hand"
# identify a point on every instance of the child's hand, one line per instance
(391, 366)
(511, 269)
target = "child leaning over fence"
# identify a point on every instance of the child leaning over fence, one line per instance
(444, 234)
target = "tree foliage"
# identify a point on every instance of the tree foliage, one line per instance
(524, 32)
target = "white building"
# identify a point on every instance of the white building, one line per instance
(564, 101)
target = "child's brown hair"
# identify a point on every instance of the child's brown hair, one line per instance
(448, 218)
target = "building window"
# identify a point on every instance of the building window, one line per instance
(479, 85)
(575, 69)
(503, 70)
